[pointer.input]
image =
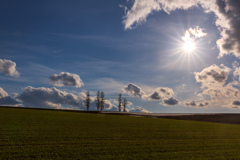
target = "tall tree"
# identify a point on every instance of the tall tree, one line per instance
(124, 104)
(102, 101)
(98, 101)
(88, 101)
(119, 102)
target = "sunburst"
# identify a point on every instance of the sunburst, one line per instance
(189, 46)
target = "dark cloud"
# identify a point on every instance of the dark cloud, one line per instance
(161, 93)
(203, 104)
(135, 90)
(236, 103)
(195, 104)
(8, 101)
(230, 41)
(170, 101)
(156, 96)
(5, 99)
(66, 79)
(8, 67)
(219, 77)
(166, 91)
(192, 103)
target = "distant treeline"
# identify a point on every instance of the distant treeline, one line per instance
(100, 101)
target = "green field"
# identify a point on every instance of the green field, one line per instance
(46, 134)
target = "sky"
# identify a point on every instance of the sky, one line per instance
(163, 56)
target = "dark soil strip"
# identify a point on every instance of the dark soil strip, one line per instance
(218, 118)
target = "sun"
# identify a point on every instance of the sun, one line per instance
(189, 46)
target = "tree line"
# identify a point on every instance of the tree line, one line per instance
(100, 102)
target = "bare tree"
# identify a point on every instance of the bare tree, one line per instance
(102, 101)
(125, 102)
(88, 101)
(98, 101)
(120, 102)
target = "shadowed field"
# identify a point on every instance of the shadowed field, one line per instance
(47, 134)
(228, 118)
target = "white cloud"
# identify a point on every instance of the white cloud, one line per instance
(222, 92)
(142, 8)
(115, 102)
(139, 110)
(214, 85)
(3, 93)
(212, 75)
(139, 12)
(66, 79)
(192, 33)
(8, 67)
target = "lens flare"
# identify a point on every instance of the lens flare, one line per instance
(189, 46)
(189, 38)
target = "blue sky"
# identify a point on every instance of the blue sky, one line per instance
(129, 47)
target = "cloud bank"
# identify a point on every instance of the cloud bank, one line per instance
(49, 98)
(56, 99)
(66, 79)
(53, 98)
(8, 67)
(215, 84)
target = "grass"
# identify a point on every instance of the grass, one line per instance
(42, 134)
